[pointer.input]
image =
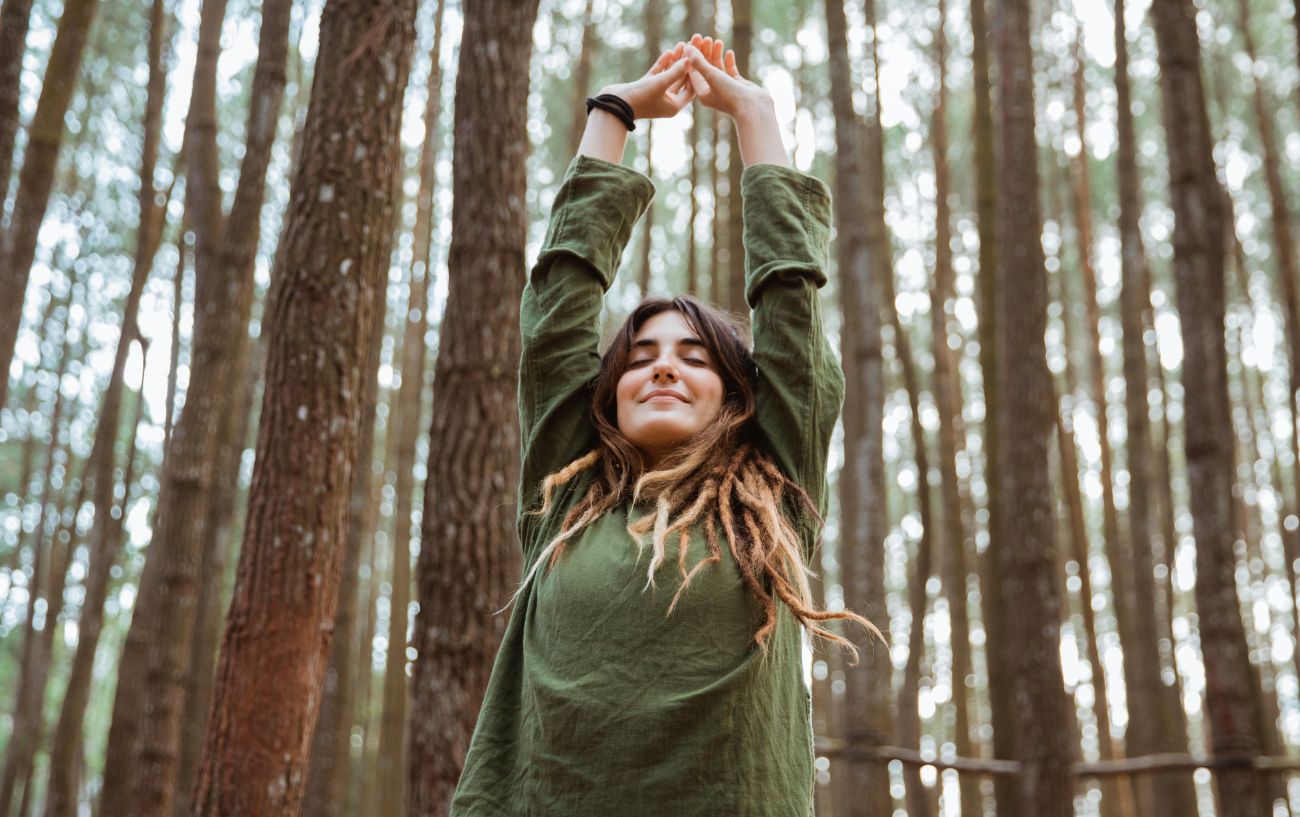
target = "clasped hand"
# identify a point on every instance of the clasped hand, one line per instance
(702, 68)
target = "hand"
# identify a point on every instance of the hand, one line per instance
(718, 84)
(663, 91)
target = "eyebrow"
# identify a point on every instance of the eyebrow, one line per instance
(648, 343)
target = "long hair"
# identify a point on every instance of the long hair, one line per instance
(722, 477)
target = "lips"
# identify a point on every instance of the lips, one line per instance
(663, 393)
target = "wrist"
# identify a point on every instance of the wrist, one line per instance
(621, 92)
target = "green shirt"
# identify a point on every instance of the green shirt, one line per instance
(598, 705)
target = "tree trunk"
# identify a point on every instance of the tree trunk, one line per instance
(36, 178)
(718, 136)
(325, 297)
(582, 77)
(44, 585)
(1156, 719)
(867, 704)
(1025, 557)
(469, 553)
(694, 23)
(15, 19)
(61, 796)
(653, 24)
(143, 752)
(742, 39)
(1198, 272)
(948, 402)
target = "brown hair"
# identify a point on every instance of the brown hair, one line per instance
(722, 475)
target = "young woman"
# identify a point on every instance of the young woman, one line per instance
(666, 682)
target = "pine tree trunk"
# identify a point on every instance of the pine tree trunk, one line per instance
(742, 40)
(1156, 719)
(36, 178)
(718, 137)
(142, 758)
(15, 19)
(325, 298)
(867, 704)
(45, 585)
(1198, 272)
(653, 25)
(474, 438)
(105, 537)
(582, 77)
(1025, 557)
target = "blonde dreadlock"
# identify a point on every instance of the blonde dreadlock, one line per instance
(718, 478)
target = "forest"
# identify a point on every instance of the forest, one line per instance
(261, 267)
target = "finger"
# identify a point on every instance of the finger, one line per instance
(699, 85)
(715, 56)
(683, 97)
(670, 77)
(710, 72)
(665, 60)
(731, 65)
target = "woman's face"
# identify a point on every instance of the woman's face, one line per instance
(671, 388)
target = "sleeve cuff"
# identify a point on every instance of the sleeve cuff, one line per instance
(597, 205)
(787, 217)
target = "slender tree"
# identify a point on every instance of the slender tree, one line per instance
(1025, 556)
(653, 26)
(325, 298)
(469, 553)
(1196, 199)
(142, 758)
(15, 19)
(867, 710)
(40, 159)
(582, 75)
(742, 42)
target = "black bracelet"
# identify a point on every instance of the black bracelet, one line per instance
(616, 106)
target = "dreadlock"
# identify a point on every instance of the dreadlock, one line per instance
(719, 478)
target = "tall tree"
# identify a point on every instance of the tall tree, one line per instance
(325, 297)
(1156, 720)
(105, 536)
(142, 758)
(1196, 199)
(742, 42)
(15, 19)
(1025, 557)
(867, 710)
(582, 75)
(653, 26)
(469, 553)
(407, 410)
(36, 178)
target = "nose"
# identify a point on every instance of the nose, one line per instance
(663, 373)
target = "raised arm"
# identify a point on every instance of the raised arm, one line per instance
(786, 233)
(592, 217)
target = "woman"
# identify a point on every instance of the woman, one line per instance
(623, 689)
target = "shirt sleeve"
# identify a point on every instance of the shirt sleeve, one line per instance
(559, 317)
(800, 388)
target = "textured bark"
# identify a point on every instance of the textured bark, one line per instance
(144, 740)
(325, 299)
(1156, 718)
(49, 567)
(15, 19)
(951, 534)
(742, 41)
(469, 551)
(1026, 557)
(105, 536)
(178, 301)
(36, 178)
(867, 705)
(1001, 702)
(653, 24)
(1199, 272)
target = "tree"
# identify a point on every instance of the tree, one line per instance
(44, 138)
(1025, 557)
(325, 297)
(142, 758)
(862, 479)
(15, 19)
(469, 551)
(1197, 202)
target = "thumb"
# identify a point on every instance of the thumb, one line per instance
(670, 77)
(699, 84)
(701, 64)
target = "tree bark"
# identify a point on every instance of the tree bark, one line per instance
(36, 178)
(1025, 557)
(105, 537)
(142, 758)
(582, 76)
(15, 19)
(742, 40)
(469, 553)
(325, 298)
(1156, 719)
(1199, 272)
(867, 704)
(653, 24)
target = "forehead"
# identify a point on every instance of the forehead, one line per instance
(666, 327)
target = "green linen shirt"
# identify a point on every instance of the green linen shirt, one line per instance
(598, 705)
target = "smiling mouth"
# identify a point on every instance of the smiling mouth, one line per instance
(664, 396)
